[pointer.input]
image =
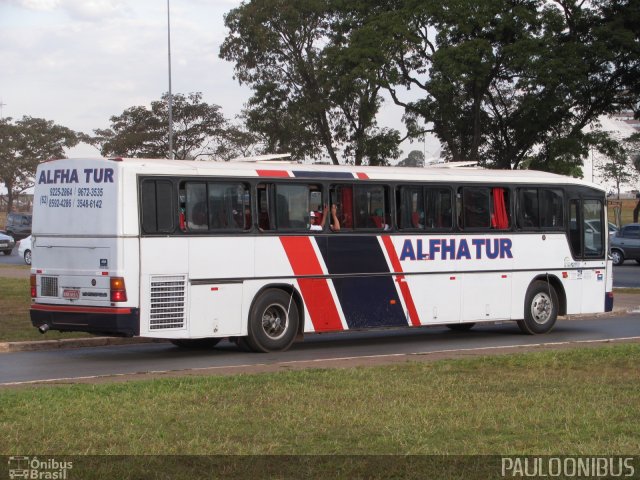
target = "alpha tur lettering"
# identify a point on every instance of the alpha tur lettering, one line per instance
(456, 249)
(73, 175)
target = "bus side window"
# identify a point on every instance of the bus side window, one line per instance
(342, 198)
(264, 207)
(528, 209)
(551, 208)
(196, 206)
(371, 207)
(410, 205)
(229, 206)
(476, 207)
(439, 208)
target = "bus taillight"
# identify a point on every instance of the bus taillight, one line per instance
(34, 287)
(118, 290)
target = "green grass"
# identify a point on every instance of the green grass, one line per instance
(582, 401)
(15, 324)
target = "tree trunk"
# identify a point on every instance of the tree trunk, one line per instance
(9, 187)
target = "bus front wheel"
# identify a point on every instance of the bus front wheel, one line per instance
(540, 308)
(273, 323)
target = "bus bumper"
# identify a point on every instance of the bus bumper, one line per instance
(118, 322)
(608, 302)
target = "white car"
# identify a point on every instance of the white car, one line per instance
(6, 243)
(24, 249)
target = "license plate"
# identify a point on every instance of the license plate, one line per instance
(71, 294)
(3, 245)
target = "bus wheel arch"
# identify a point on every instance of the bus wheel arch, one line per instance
(556, 283)
(275, 319)
(541, 307)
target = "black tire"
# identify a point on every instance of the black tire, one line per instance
(273, 321)
(540, 308)
(196, 343)
(460, 327)
(617, 257)
(27, 257)
(7, 252)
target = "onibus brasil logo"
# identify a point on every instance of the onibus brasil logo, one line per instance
(38, 469)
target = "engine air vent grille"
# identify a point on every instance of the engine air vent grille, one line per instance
(167, 302)
(48, 286)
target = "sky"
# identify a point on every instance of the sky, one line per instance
(79, 62)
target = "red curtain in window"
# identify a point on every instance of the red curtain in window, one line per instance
(347, 207)
(499, 218)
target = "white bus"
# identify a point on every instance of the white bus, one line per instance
(199, 251)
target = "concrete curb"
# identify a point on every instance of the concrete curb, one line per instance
(30, 346)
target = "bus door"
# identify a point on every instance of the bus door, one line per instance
(587, 240)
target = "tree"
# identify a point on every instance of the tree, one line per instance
(504, 83)
(199, 129)
(23, 145)
(617, 169)
(309, 98)
(414, 159)
(620, 167)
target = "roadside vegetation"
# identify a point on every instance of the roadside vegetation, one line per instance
(15, 323)
(626, 213)
(578, 402)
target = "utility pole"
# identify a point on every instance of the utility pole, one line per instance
(2, 105)
(170, 95)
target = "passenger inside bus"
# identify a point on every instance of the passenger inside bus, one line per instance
(318, 219)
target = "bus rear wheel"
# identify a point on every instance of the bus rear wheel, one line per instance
(273, 322)
(196, 343)
(540, 308)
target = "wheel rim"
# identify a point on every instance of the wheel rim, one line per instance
(615, 256)
(541, 308)
(27, 258)
(275, 321)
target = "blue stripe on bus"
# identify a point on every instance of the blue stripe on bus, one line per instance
(308, 174)
(366, 301)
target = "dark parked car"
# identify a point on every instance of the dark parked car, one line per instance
(18, 225)
(626, 244)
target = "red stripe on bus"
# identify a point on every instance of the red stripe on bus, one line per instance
(78, 309)
(404, 288)
(315, 291)
(362, 176)
(273, 173)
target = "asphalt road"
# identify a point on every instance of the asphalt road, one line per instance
(13, 259)
(627, 275)
(81, 363)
